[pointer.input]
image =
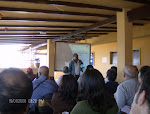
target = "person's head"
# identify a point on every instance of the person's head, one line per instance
(142, 71)
(94, 90)
(68, 88)
(141, 103)
(89, 67)
(114, 68)
(43, 71)
(75, 57)
(15, 91)
(111, 75)
(29, 71)
(66, 70)
(130, 71)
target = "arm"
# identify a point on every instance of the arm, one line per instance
(120, 97)
(70, 64)
(81, 63)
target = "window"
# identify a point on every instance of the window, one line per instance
(136, 57)
(113, 58)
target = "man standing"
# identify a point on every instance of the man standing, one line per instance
(127, 89)
(75, 66)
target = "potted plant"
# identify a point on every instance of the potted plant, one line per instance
(37, 64)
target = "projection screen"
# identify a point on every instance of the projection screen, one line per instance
(64, 54)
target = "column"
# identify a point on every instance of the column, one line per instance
(124, 42)
(51, 56)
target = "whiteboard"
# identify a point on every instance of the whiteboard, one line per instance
(64, 54)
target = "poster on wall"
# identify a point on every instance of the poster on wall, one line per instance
(92, 59)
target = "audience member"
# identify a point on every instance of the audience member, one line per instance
(15, 91)
(142, 71)
(141, 103)
(42, 86)
(75, 66)
(111, 85)
(89, 67)
(66, 71)
(114, 68)
(95, 99)
(30, 74)
(127, 89)
(65, 98)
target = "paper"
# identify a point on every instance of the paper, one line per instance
(104, 60)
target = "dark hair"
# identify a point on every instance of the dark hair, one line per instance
(111, 75)
(145, 86)
(75, 54)
(68, 89)
(143, 71)
(14, 86)
(114, 68)
(89, 67)
(94, 91)
(65, 69)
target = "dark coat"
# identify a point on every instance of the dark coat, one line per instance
(59, 105)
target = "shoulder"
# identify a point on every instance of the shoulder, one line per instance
(82, 107)
(113, 110)
(80, 61)
(71, 61)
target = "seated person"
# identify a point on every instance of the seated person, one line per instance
(111, 85)
(95, 99)
(42, 87)
(127, 89)
(30, 74)
(79, 79)
(89, 67)
(66, 71)
(114, 68)
(141, 103)
(65, 98)
(15, 91)
(142, 71)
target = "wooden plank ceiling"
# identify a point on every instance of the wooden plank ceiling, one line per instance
(35, 21)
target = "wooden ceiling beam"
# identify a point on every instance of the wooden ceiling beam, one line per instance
(34, 38)
(6, 36)
(54, 12)
(47, 26)
(24, 39)
(71, 4)
(39, 26)
(140, 1)
(82, 30)
(139, 13)
(55, 20)
(42, 34)
(22, 31)
(17, 41)
(48, 20)
(145, 19)
(135, 24)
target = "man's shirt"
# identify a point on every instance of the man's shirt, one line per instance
(47, 87)
(125, 92)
